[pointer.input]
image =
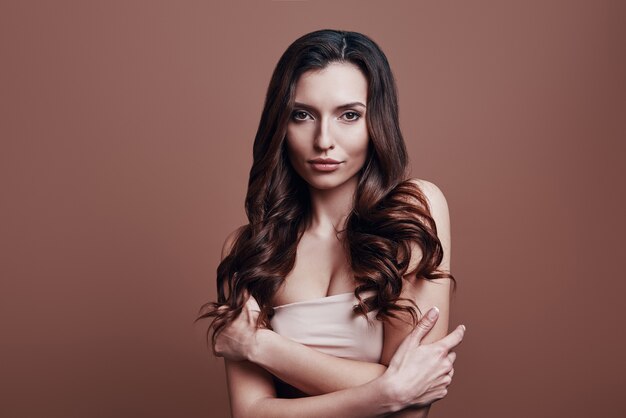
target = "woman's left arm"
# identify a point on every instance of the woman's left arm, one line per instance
(425, 293)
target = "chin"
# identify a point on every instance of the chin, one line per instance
(326, 182)
(323, 185)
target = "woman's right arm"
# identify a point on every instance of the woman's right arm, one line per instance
(252, 394)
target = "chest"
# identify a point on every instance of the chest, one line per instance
(321, 269)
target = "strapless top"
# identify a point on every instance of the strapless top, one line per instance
(329, 325)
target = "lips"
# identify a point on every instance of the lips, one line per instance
(324, 161)
(325, 165)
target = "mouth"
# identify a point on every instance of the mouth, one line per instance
(325, 164)
(324, 161)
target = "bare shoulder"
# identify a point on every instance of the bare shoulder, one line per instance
(440, 213)
(230, 241)
(436, 199)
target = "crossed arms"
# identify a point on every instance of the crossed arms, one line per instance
(343, 387)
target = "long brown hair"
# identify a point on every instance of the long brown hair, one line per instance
(389, 212)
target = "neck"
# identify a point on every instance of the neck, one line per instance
(330, 208)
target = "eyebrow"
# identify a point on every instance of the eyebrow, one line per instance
(343, 106)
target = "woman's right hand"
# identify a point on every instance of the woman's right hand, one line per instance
(237, 340)
(420, 374)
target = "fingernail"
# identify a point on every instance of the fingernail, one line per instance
(432, 314)
(463, 328)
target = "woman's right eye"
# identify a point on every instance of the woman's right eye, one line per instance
(299, 115)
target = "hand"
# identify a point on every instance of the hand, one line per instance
(420, 374)
(237, 339)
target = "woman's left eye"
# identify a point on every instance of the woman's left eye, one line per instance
(352, 116)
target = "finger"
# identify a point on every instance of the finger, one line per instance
(451, 373)
(221, 308)
(252, 311)
(252, 304)
(453, 339)
(440, 394)
(432, 396)
(425, 324)
(441, 382)
(452, 356)
(249, 302)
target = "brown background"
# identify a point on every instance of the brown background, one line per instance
(127, 133)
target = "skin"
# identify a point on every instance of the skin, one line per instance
(321, 127)
(323, 130)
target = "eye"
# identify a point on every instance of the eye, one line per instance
(352, 116)
(299, 115)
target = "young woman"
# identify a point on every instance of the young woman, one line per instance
(320, 293)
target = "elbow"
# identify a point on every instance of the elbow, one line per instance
(241, 412)
(238, 413)
(253, 409)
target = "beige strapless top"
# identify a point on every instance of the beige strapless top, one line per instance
(329, 325)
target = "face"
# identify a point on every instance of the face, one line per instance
(327, 135)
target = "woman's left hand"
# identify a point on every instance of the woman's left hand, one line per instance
(237, 339)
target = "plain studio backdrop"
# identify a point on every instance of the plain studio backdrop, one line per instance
(126, 140)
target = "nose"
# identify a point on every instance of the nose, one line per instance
(323, 138)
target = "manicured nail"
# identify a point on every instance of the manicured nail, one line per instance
(432, 314)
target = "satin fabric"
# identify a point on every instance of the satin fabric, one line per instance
(329, 325)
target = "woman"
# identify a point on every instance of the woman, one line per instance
(334, 227)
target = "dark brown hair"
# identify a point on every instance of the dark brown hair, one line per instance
(389, 211)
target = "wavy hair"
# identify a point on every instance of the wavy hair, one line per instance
(389, 212)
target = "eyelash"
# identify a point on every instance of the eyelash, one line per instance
(358, 115)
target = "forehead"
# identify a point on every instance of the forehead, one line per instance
(337, 83)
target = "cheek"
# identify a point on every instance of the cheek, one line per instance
(296, 155)
(357, 146)
(294, 142)
(294, 150)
